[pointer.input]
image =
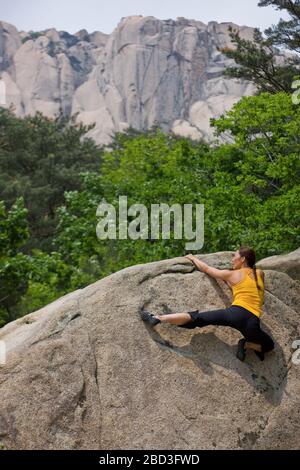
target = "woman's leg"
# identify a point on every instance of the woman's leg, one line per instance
(267, 343)
(175, 318)
(255, 346)
(194, 318)
(256, 338)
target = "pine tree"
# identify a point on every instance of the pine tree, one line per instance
(256, 59)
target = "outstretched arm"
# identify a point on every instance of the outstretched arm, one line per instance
(224, 274)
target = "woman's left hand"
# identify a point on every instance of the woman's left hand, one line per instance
(190, 257)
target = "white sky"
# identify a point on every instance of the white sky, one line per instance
(104, 15)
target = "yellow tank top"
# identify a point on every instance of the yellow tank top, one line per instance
(246, 294)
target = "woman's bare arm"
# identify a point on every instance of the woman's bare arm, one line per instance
(224, 274)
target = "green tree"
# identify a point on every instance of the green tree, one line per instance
(148, 168)
(40, 158)
(256, 59)
(28, 282)
(265, 130)
(14, 266)
(286, 32)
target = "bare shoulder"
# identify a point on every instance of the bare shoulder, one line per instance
(235, 276)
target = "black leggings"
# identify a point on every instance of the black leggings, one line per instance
(237, 317)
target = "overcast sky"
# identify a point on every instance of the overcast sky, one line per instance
(104, 15)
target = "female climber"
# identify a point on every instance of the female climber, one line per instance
(244, 313)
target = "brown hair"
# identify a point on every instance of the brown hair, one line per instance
(250, 256)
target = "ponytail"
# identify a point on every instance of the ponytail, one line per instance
(249, 254)
(255, 275)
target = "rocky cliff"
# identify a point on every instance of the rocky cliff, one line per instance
(146, 71)
(85, 372)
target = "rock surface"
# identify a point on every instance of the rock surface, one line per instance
(147, 71)
(85, 372)
(288, 263)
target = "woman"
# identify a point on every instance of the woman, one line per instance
(243, 314)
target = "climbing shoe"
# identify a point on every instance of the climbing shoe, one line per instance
(149, 317)
(241, 350)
